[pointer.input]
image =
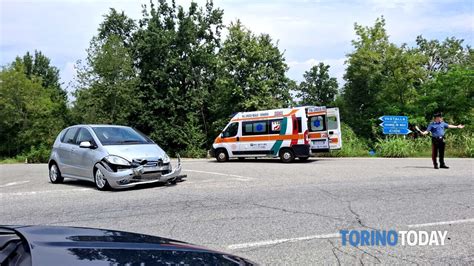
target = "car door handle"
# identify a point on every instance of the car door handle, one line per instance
(331, 132)
(238, 138)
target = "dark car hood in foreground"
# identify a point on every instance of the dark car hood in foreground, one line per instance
(54, 245)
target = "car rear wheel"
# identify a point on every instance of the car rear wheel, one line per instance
(221, 155)
(287, 156)
(54, 174)
(100, 181)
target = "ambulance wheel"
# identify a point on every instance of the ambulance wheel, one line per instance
(221, 155)
(287, 156)
(303, 158)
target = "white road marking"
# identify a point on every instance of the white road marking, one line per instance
(14, 183)
(327, 236)
(235, 177)
(28, 193)
(279, 241)
(441, 223)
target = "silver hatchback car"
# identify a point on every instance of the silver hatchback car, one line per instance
(110, 156)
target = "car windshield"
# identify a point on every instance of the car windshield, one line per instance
(120, 136)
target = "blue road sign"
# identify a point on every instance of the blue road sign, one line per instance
(399, 131)
(394, 124)
(394, 118)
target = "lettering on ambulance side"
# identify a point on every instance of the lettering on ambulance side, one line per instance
(264, 117)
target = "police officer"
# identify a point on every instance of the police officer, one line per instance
(437, 128)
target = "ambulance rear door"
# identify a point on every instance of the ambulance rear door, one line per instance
(317, 127)
(334, 128)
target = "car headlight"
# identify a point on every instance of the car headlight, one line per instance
(114, 159)
(166, 158)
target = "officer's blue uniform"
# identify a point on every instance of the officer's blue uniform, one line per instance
(437, 141)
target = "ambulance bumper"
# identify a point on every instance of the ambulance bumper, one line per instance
(301, 150)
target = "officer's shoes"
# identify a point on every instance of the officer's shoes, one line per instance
(436, 167)
(444, 166)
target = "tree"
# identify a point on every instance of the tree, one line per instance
(447, 85)
(27, 113)
(439, 56)
(117, 24)
(318, 88)
(399, 88)
(38, 66)
(364, 77)
(175, 52)
(252, 75)
(106, 90)
(450, 92)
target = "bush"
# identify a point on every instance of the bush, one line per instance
(352, 146)
(193, 152)
(421, 146)
(460, 144)
(469, 145)
(38, 154)
(396, 146)
(16, 159)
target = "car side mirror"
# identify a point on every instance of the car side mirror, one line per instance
(222, 135)
(86, 144)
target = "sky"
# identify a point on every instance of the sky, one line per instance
(308, 31)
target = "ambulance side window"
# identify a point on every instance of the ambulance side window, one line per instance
(316, 123)
(254, 128)
(231, 130)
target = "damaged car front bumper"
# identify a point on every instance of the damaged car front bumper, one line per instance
(141, 174)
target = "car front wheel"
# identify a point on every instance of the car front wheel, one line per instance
(54, 174)
(100, 181)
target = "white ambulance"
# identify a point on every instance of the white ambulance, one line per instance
(283, 133)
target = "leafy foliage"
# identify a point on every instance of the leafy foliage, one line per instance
(251, 75)
(175, 51)
(394, 146)
(27, 111)
(383, 78)
(352, 145)
(106, 90)
(318, 88)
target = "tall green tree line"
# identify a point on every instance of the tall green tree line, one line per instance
(173, 76)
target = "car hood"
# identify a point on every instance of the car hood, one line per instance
(138, 151)
(56, 245)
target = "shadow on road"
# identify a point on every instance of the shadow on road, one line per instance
(265, 160)
(86, 184)
(419, 167)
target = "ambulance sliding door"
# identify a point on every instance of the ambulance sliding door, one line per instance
(254, 140)
(334, 128)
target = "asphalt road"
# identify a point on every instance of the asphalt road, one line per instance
(270, 212)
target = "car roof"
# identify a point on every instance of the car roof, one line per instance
(97, 125)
